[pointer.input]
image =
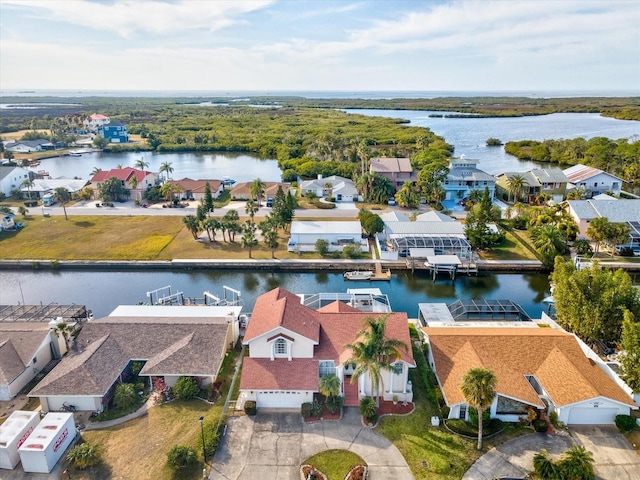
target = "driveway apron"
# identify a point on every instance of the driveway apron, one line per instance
(272, 446)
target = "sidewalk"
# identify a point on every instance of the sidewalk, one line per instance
(110, 423)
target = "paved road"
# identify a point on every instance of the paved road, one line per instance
(272, 446)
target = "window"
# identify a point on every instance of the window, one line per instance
(327, 368)
(463, 412)
(280, 347)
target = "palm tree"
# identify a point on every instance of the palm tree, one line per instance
(577, 462)
(192, 224)
(598, 230)
(256, 189)
(95, 171)
(133, 182)
(166, 168)
(22, 210)
(63, 196)
(516, 186)
(211, 225)
(479, 390)
(65, 331)
(84, 455)
(544, 466)
(549, 242)
(119, 166)
(28, 183)
(374, 352)
(271, 241)
(251, 209)
(249, 239)
(329, 385)
(141, 164)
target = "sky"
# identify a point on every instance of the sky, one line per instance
(291, 45)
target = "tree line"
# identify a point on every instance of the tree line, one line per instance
(618, 157)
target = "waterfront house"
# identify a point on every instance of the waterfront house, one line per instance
(242, 190)
(614, 210)
(338, 234)
(546, 369)
(341, 189)
(195, 189)
(291, 346)
(114, 132)
(397, 170)
(143, 180)
(26, 348)
(96, 120)
(171, 340)
(464, 177)
(11, 178)
(44, 186)
(29, 146)
(551, 181)
(592, 181)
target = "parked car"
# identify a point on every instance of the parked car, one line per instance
(392, 201)
(269, 202)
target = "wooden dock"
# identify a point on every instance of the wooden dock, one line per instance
(381, 275)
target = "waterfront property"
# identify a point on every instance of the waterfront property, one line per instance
(134, 180)
(614, 210)
(464, 177)
(545, 369)
(242, 191)
(305, 234)
(114, 132)
(11, 178)
(29, 342)
(550, 181)
(339, 188)
(469, 312)
(592, 181)
(195, 189)
(44, 186)
(96, 120)
(397, 170)
(29, 146)
(171, 340)
(291, 346)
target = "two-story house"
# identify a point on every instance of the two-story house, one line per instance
(592, 180)
(114, 132)
(398, 170)
(464, 176)
(11, 178)
(134, 180)
(551, 181)
(291, 346)
(96, 120)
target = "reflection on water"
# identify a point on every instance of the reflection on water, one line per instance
(103, 291)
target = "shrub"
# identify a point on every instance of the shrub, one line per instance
(351, 251)
(334, 403)
(186, 388)
(181, 456)
(368, 409)
(625, 423)
(316, 409)
(465, 428)
(473, 417)
(250, 407)
(322, 247)
(211, 436)
(305, 409)
(540, 426)
(125, 396)
(84, 455)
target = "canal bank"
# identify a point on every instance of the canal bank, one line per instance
(251, 264)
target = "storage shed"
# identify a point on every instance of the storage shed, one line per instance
(47, 442)
(13, 433)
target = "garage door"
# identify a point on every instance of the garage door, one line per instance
(279, 399)
(592, 416)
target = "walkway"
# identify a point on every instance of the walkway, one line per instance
(273, 445)
(110, 423)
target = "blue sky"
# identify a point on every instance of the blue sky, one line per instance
(475, 45)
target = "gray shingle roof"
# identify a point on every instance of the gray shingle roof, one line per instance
(623, 210)
(104, 348)
(19, 342)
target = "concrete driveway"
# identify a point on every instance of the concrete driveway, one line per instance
(272, 446)
(615, 458)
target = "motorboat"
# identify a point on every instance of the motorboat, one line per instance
(358, 275)
(228, 181)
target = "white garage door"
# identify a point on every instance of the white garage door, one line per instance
(592, 416)
(279, 399)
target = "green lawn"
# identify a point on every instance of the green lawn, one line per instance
(335, 464)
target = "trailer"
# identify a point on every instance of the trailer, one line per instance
(48, 442)
(13, 433)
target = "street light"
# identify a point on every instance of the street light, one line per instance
(204, 451)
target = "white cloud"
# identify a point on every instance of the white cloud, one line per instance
(130, 17)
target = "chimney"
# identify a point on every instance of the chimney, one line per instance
(319, 176)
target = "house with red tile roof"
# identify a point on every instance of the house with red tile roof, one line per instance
(96, 120)
(143, 180)
(195, 189)
(398, 170)
(544, 368)
(291, 346)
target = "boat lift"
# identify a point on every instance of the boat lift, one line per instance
(165, 296)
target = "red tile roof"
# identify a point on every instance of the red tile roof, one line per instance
(331, 327)
(552, 356)
(279, 374)
(123, 174)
